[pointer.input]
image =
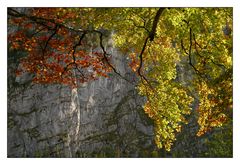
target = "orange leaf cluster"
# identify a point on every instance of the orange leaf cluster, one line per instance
(135, 62)
(52, 53)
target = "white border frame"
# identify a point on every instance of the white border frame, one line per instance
(118, 3)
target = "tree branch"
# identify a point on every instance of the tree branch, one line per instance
(38, 31)
(35, 19)
(208, 58)
(73, 55)
(190, 52)
(106, 59)
(155, 23)
(151, 37)
(42, 21)
(50, 37)
(141, 60)
(138, 26)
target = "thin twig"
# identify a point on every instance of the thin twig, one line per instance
(49, 38)
(190, 52)
(73, 55)
(106, 59)
(208, 58)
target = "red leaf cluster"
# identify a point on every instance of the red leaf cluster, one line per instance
(52, 53)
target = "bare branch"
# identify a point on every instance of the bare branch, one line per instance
(49, 38)
(38, 20)
(106, 59)
(183, 48)
(73, 55)
(42, 21)
(38, 31)
(138, 26)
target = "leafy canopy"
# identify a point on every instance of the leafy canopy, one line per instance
(179, 54)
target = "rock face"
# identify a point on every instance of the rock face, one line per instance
(100, 118)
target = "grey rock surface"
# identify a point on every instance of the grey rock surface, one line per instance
(57, 121)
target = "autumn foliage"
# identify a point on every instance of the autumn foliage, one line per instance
(157, 42)
(56, 54)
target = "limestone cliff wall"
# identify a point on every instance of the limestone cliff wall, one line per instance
(101, 116)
